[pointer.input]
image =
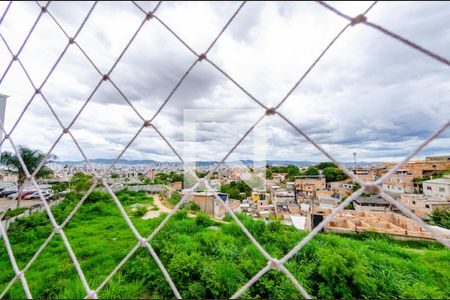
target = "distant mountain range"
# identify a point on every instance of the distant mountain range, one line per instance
(107, 161)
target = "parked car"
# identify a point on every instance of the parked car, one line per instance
(35, 195)
(12, 195)
(23, 194)
(6, 193)
(32, 195)
(26, 193)
(7, 187)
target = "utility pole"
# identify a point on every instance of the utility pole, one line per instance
(354, 158)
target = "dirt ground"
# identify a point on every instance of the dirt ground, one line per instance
(162, 209)
(6, 203)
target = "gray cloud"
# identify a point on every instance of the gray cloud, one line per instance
(369, 94)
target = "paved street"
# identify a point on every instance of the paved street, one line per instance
(6, 203)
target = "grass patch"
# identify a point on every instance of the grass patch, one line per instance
(207, 259)
(14, 212)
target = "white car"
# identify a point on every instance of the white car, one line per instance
(35, 195)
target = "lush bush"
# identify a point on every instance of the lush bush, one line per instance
(193, 206)
(236, 190)
(440, 217)
(175, 198)
(334, 174)
(140, 211)
(14, 212)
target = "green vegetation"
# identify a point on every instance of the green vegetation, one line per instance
(214, 262)
(438, 174)
(201, 174)
(140, 211)
(236, 190)
(311, 171)
(357, 186)
(440, 217)
(334, 174)
(31, 159)
(324, 165)
(175, 198)
(14, 212)
(80, 182)
(60, 187)
(330, 171)
(166, 178)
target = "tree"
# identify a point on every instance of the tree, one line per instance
(31, 158)
(293, 171)
(311, 171)
(146, 181)
(81, 182)
(175, 198)
(60, 187)
(324, 165)
(440, 217)
(334, 174)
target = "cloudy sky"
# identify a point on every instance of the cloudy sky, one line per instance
(369, 94)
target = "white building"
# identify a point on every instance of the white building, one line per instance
(437, 188)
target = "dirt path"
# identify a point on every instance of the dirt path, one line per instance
(6, 203)
(157, 202)
(155, 213)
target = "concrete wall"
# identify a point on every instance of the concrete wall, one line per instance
(348, 221)
(32, 210)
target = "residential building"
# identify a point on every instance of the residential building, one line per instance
(307, 187)
(400, 182)
(151, 174)
(421, 169)
(283, 197)
(342, 188)
(371, 203)
(326, 202)
(437, 188)
(444, 158)
(209, 204)
(423, 205)
(280, 176)
(178, 185)
(377, 172)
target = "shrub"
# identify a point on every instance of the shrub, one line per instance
(14, 212)
(202, 219)
(140, 211)
(193, 206)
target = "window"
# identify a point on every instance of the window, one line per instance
(414, 202)
(427, 205)
(441, 189)
(428, 188)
